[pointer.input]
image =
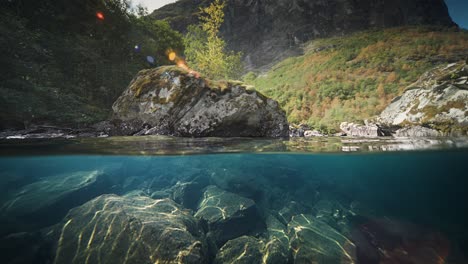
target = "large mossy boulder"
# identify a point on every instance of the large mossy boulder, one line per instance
(439, 100)
(228, 215)
(171, 101)
(137, 229)
(313, 241)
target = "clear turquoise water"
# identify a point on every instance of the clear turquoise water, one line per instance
(422, 190)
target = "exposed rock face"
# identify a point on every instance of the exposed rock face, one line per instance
(439, 99)
(228, 215)
(417, 131)
(113, 229)
(313, 241)
(312, 133)
(50, 198)
(355, 130)
(266, 30)
(170, 101)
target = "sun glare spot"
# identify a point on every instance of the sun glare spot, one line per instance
(172, 56)
(100, 15)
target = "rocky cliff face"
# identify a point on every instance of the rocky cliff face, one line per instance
(269, 30)
(439, 99)
(171, 101)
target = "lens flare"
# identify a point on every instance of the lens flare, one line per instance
(100, 15)
(150, 59)
(172, 56)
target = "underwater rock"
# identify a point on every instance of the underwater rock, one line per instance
(172, 101)
(291, 209)
(313, 241)
(385, 240)
(187, 193)
(227, 215)
(113, 229)
(244, 249)
(24, 248)
(366, 130)
(49, 199)
(439, 99)
(248, 249)
(277, 248)
(334, 214)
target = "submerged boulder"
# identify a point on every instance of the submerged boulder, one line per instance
(137, 229)
(248, 249)
(313, 241)
(49, 199)
(439, 100)
(172, 101)
(227, 215)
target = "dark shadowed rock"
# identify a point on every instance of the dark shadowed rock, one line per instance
(267, 31)
(188, 193)
(228, 215)
(171, 101)
(25, 248)
(387, 240)
(313, 241)
(49, 199)
(113, 229)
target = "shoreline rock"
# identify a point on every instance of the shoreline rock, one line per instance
(437, 101)
(171, 101)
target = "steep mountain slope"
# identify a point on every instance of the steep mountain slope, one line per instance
(355, 77)
(267, 30)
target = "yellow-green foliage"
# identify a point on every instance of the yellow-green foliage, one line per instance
(355, 77)
(205, 49)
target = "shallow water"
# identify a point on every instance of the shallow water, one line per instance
(329, 206)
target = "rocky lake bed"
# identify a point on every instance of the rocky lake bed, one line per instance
(229, 208)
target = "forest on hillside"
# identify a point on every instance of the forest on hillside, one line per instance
(65, 62)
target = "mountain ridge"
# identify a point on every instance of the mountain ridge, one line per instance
(268, 31)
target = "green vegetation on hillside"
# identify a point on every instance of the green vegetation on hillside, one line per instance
(62, 64)
(355, 77)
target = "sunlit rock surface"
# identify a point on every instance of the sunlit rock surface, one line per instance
(313, 241)
(248, 249)
(417, 131)
(439, 99)
(171, 101)
(366, 130)
(48, 199)
(113, 229)
(244, 249)
(228, 215)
